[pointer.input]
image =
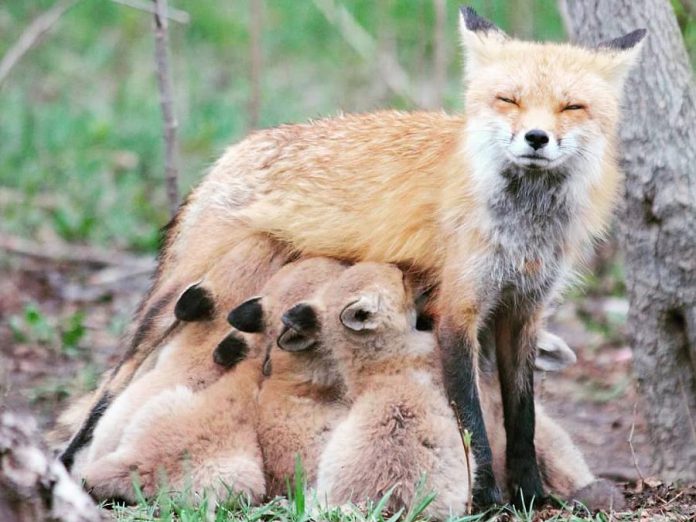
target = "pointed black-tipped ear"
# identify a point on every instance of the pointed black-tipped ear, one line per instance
(625, 42)
(474, 22)
(195, 304)
(301, 328)
(302, 317)
(293, 341)
(248, 316)
(621, 53)
(553, 353)
(361, 315)
(482, 40)
(231, 351)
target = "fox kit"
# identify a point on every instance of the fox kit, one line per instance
(302, 398)
(198, 321)
(196, 441)
(496, 206)
(400, 425)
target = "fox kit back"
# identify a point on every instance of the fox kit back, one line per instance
(198, 442)
(400, 428)
(496, 207)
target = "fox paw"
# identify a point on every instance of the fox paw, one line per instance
(602, 494)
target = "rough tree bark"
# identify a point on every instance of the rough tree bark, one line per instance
(657, 221)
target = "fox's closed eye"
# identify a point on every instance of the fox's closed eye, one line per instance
(574, 107)
(506, 100)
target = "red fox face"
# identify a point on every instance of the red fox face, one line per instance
(541, 105)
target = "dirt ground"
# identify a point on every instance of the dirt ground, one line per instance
(595, 400)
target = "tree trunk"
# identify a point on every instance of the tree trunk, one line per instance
(33, 485)
(657, 219)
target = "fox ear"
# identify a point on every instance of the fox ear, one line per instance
(553, 353)
(622, 53)
(481, 38)
(301, 328)
(248, 316)
(231, 350)
(361, 315)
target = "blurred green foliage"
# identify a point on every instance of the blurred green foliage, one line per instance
(62, 334)
(80, 126)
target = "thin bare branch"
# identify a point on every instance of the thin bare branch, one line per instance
(32, 36)
(164, 82)
(364, 44)
(522, 18)
(72, 254)
(439, 53)
(690, 7)
(44, 200)
(255, 59)
(175, 15)
(630, 444)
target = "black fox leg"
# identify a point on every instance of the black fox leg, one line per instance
(515, 338)
(459, 365)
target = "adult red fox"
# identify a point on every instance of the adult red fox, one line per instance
(495, 207)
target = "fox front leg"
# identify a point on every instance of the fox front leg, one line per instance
(459, 361)
(515, 339)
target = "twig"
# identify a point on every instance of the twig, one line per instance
(466, 442)
(362, 43)
(43, 200)
(690, 7)
(439, 53)
(175, 15)
(32, 36)
(630, 444)
(72, 254)
(255, 58)
(164, 82)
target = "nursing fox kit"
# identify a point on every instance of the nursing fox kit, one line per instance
(495, 208)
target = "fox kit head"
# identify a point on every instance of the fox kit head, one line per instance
(295, 282)
(367, 317)
(541, 106)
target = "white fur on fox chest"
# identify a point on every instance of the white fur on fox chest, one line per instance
(530, 224)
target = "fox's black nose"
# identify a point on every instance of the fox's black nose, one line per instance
(537, 138)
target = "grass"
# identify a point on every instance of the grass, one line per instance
(302, 505)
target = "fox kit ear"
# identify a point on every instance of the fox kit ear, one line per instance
(553, 354)
(361, 315)
(232, 350)
(248, 316)
(195, 304)
(480, 37)
(301, 328)
(622, 53)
